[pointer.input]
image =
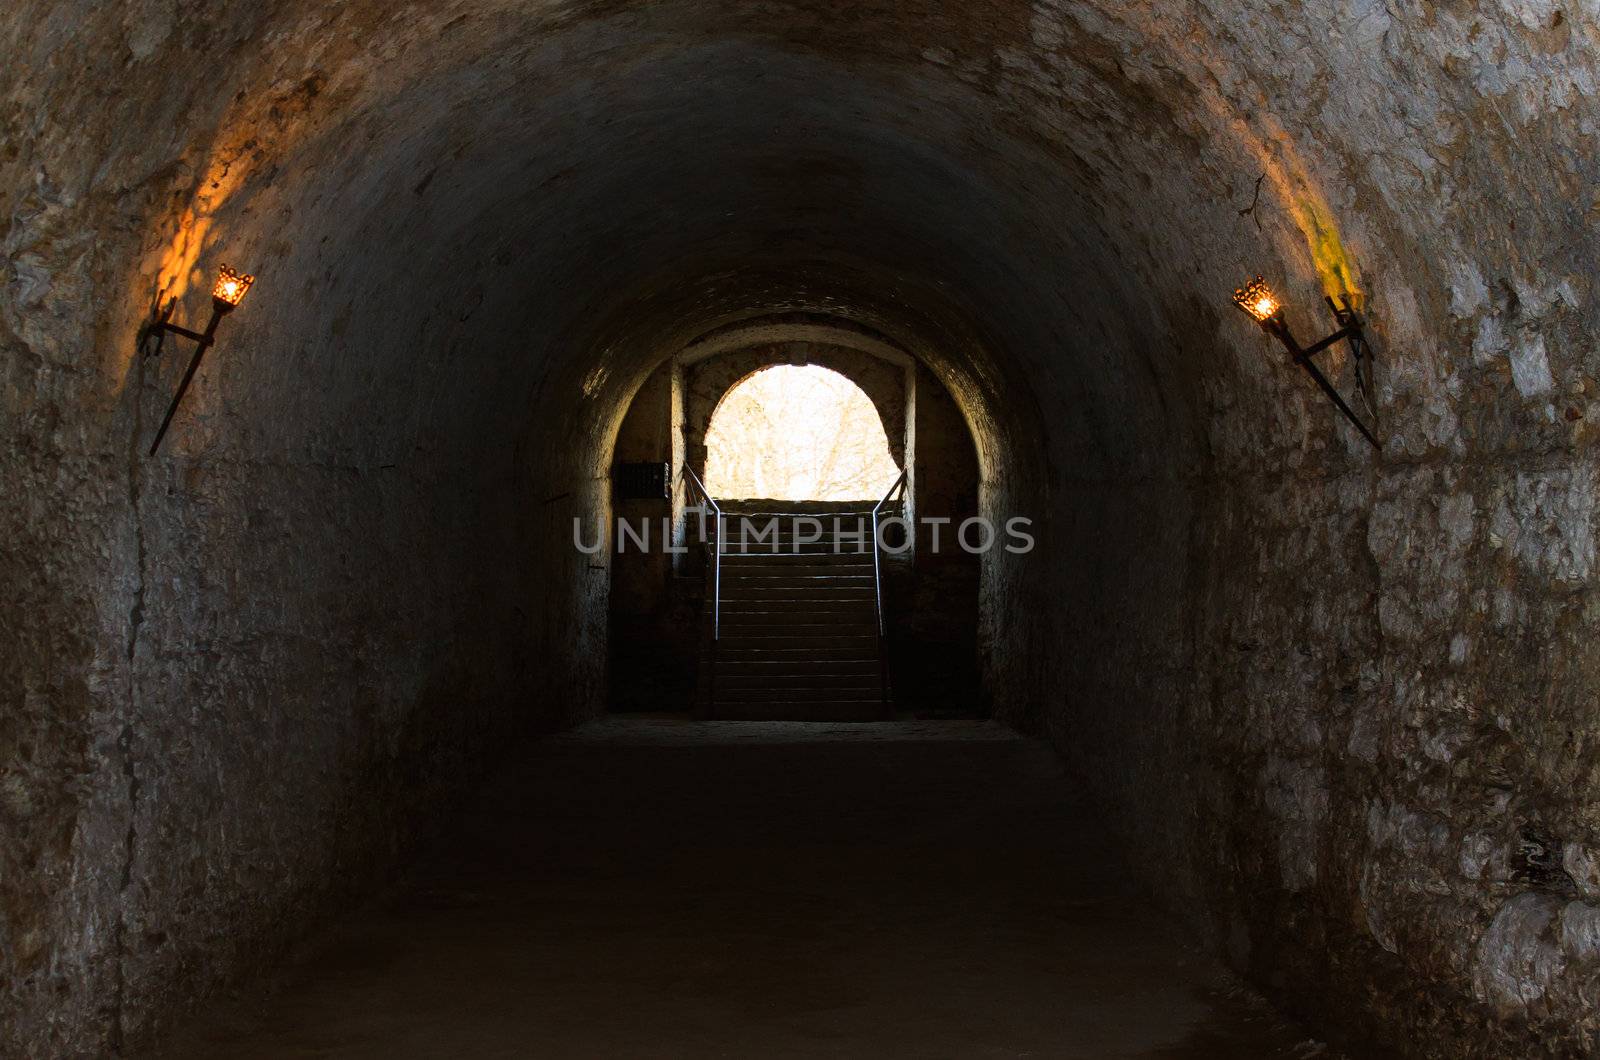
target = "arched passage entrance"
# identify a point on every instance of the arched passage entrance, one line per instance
(803, 420)
(798, 433)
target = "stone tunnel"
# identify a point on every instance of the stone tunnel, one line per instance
(1333, 704)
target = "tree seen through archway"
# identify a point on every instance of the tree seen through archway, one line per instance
(798, 433)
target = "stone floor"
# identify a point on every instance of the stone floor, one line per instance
(663, 888)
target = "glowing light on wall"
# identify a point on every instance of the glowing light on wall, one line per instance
(1257, 301)
(226, 294)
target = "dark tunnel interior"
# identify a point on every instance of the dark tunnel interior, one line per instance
(1336, 704)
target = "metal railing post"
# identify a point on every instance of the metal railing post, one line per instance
(716, 552)
(716, 581)
(877, 577)
(877, 592)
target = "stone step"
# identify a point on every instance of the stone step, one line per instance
(783, 626)
(850, 561)
(741, 592)
(848, 684)
(797, 693)
(799, 649)
(811, 637)
(813, 575)
(857, 619)
(851, 511)
(751, 595)
(831, 665)
(799, 667)
(732, 528)
(788, 548)
(799, 636)
(819, 647)
(799, 663)
(803, 564)
(847, 536)
(759, 532)
(799, 612)
(788, 543)
(805, 578)
(805, 710)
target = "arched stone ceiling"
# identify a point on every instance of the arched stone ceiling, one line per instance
(1058, 184)
(476, 225)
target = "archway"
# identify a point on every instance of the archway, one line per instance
(798, 433)
(787, 391)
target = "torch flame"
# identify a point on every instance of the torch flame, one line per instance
(231, 286)
(1257, 299)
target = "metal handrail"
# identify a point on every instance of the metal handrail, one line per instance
(877, 576)
(716, 553)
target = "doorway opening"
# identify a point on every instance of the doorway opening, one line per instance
(817, 426)
(798, 433)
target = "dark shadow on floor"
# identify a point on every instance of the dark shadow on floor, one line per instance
(679, 889)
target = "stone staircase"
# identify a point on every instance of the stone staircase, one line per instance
(799, 622)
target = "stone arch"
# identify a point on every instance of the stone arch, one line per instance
(872, 469)
(709, 381)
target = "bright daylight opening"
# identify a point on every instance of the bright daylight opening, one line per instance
(798, 433)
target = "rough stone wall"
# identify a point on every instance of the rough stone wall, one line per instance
(654, 605)
(1396, 768)
(241, 676)
(933, 607)
(1388, 657)
(646, 435)
(473, 221)
(230, 709)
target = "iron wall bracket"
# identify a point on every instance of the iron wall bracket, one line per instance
(160, 327)
(1350, 329)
